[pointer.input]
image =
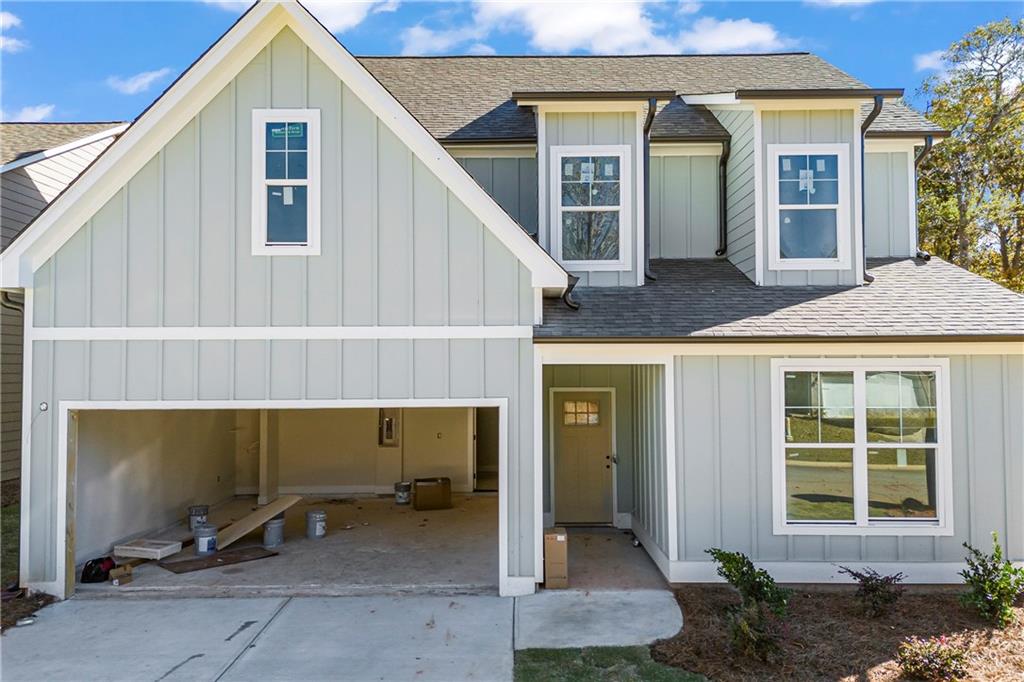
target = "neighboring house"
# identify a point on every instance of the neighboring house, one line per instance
(37, 161)
(291, 231)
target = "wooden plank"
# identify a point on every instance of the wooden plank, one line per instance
(232, 556)
(247, 524)
(148, 549)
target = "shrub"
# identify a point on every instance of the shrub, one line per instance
(876, 592)
(994, 583)
(754, 631)
(755, 585)
(932, 659)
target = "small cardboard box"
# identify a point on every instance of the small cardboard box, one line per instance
(121, 575)
(556, 559)
(431, 493)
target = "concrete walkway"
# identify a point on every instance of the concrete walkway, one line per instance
(300, 638)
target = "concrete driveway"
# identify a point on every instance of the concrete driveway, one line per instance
(313, 638)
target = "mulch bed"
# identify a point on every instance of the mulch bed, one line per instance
(828, 637)
(16, 604)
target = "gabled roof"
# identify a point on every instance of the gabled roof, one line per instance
(21, 140)
(197, 86)
(466, 99)
(704, 300)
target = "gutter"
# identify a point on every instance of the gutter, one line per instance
(928, 141)
(723, 227)
(652, 109)
(7, 302)
(821, 93)
(567, 298)
(875, 111)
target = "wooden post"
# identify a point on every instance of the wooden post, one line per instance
(268, 457)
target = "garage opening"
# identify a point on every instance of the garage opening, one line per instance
(136, 473)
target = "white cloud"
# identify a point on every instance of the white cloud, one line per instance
(420, 40)
(929, 61)
(481, 49)
(12, 45)
(31, 114)
(8, 20)
(711, 35)
(140, 82)
(336, 15)
(689, 7)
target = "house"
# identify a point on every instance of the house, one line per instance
(683, 292)
(37, 161)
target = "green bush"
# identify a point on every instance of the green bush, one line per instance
(933, 659)
(994, 584)
(755, 585)
(876, 592)
(754, 630)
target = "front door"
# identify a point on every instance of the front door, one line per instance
(583, 457)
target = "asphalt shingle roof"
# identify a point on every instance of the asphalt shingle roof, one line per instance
(711, 299)
(18, 140)
(899, 118)
(470, 98)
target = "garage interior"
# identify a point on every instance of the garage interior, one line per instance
(137, 472)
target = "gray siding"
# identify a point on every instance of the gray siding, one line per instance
(723, 434)
(618, 377)
(172, 248)
(650, 508)
(684, 206)
(797, 127)
(11, 340)
(887, 218)
(739, 189)
(513, 184)
(598, 128)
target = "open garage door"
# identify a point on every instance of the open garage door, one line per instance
(134, 474)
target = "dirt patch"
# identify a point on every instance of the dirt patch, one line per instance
(827, 637)
(20, 606)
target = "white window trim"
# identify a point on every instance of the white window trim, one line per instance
(623, 152)
(260, 117)
(862, 525)
(842, 261)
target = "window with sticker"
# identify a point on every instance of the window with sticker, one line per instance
(286, 164)
(590, 199)
(809, 209)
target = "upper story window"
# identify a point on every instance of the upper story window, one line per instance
(286, 182)
(591, 206)
(861, 447)
(808, 214)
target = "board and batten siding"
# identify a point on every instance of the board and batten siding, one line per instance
(804, 127)
(595, 128)
(172, 249)
(684, 206)
(739, 189)
(24, 193)
(650, 489)
(889, 222)
(512, 182)
(724, 455)
(583, 377)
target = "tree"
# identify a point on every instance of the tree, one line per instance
(971, 210)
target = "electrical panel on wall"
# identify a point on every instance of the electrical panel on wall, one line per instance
(389, 427)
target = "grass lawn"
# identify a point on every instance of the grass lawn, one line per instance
(612, 663)
(827, 637)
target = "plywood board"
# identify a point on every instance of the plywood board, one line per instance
(232, 556)
(144, 548)
(247, 524)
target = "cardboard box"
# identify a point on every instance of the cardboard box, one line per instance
(556, 559)
(121, 575)
(431, 493)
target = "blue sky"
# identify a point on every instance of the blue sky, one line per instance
(107, 61)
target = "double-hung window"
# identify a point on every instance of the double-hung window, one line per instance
(591, 204)
(809, 206)
(861, 447)
(286, 182)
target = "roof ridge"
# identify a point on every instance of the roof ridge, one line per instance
(61, 123)
(581, 56)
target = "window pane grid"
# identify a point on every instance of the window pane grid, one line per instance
(590, 203)
(808, 206)
(860, 483)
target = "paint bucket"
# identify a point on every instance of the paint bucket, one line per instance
(316, 524)
(403, 492)
(273, 533)
(197, 515)
(205, 537)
